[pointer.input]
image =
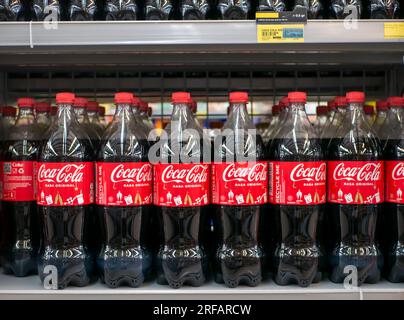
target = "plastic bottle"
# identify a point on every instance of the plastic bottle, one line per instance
(382, 109)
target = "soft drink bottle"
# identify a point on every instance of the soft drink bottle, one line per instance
(239, 190)
(271, 5)
(273, 124)
(355, 193)
(234, 9)
(92, 113)
(20, 154)
(393, 213)
(101, 116)
(11, 10)
(124, 198)
(181, 191)
(340, 9)
(121, 10)
(65, 198)
(137, 116)
(314, 8)
(382, 108)
(80, 110)
(143, 115)
(322, 120)
(194, 9)
(392, 118)
(82, 10)
(44, 9)
(159, 9)
(384, 9)
(331, 106)
(297, 194)
(369, 114)
(42, 114)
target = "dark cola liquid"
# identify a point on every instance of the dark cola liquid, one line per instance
(182, 258)
(239, 252)
(125, 257)
(392, 222)
(67, 229)
(121, 10)
(352, 228)
(298, 251)
(21, 229)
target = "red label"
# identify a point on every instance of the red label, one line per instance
(394, 173)
(297, 183)
(19, 180)
(65, 184)
(124, 184)
(355, 182)
(240, 183)
(181, 185)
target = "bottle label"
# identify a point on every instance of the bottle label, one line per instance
(124, 184)
(394, 171)
(19, 180)
(65, 184)
(181, 185)
(240, 183)
(297, 183)
(355, 182)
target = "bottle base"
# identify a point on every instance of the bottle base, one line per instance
(196, 279)
(297, 270)
(250, 280)
(395, 272)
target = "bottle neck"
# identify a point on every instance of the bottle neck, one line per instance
(238, 117)
(81, 115)
(356, 113)
(296, 112)
(123, 114)
(25, 116)
(65, 115)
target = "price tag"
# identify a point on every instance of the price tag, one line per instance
(394, 30)
(278, 33)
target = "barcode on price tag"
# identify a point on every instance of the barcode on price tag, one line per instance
(280, 33)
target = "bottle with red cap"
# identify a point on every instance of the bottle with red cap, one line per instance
(369, 114)
(382, 108)
(92, 112)
(136, 106)
(144, 116)
(124, 198)
(65, 199)
(392, 233)
(355, 194)
(80, 110)
(274, 123)
(20, 153)
(322, 120)
(181, 161)
(42, 114)
(283, 112)
(297, 194)
(331, 130)
(239, 192)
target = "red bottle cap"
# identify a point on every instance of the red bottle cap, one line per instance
(9, 111)
(322, 110)
(143, 106)
(355, 97)
(136, 102)
(382, 105)
(149, 111)
(297, 97)
(80, 102)
(276, 110)
(26, 102)
(238, 97)
(339, 101)
(123, 98)
(101, 111)
(92, 106)
(181, 97)
(284, 102)
(369, 110)
(395, 101)
(42, 107)
(65, 97)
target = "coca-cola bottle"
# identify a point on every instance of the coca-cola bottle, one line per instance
(384, 9)
(369, 113)
(181, 193)
(124, 198)
(80, 110)
(273, 124)
(322, 120)
(283, 112)
(355, 193)
(314, 8)
(65, 198)
(46, 10)
(92, 113)
(82, 10)
(42, 114)
(271, 5)
(393, 213)
(137, 117)
(12, 10)
(159, 9)
(332, 109)
(239, 191)
(297, 194)
(194, 9)
(121, 10)
(382, 108)
(339, 106)
(340, 9)
(144, 115)
(101, 116)
(20, 154)
(234, 9)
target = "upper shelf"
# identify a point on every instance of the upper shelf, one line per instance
(330, 37)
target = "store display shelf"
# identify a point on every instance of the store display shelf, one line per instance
(31, 288)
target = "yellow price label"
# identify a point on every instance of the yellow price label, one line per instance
(280, 33)
(394, 30)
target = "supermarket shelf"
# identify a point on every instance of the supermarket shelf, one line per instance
(198, 42)
(30, 288)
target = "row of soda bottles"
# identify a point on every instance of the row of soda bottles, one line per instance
(84, 10)
(300, 207)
